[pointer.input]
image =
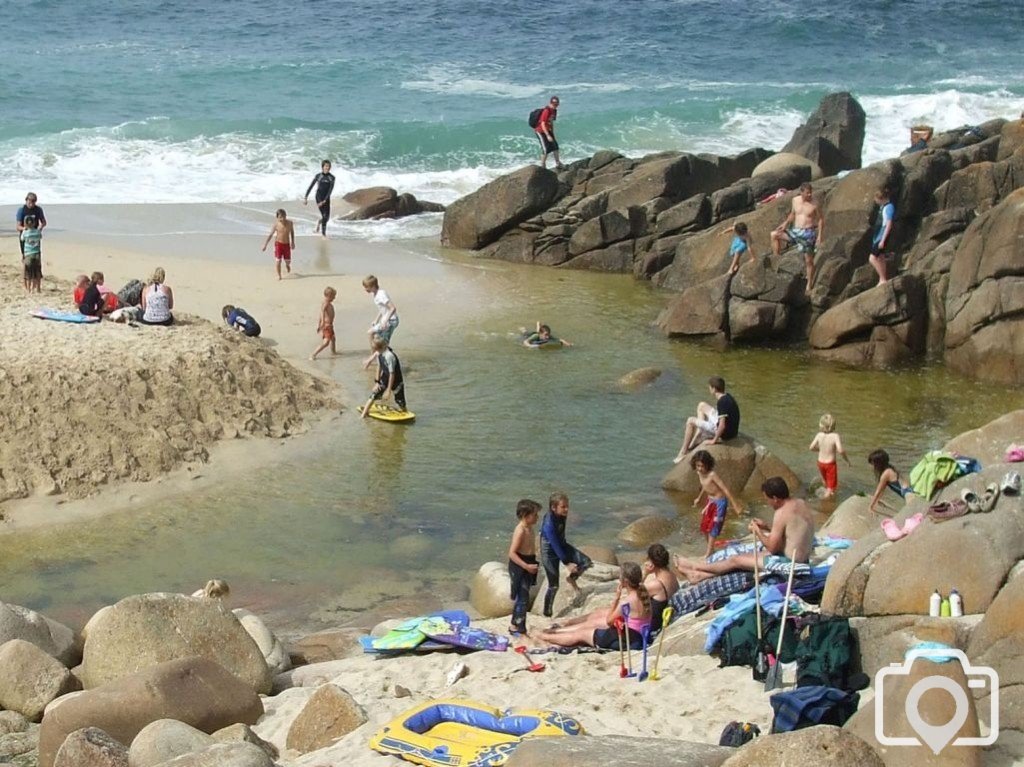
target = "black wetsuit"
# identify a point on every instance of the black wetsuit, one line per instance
(324, 183)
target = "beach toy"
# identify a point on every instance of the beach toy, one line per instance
(622, 649)
(645, 634)
(530, 664)
(464, 733)
(458, 635)
(629, 649)
(773, 680)
(387, 413)
(666, 616)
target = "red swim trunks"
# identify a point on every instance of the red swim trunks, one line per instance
(829, 475)
(282, 251)
(713, 517)
(328, 333)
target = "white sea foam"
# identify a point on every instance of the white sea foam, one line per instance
(452, 81)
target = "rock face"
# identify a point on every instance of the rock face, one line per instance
(833, 136)
(986, 547)
(163, 740)
(330, 644)
(648, 530)
(851, 519)
(741, 463)
(618, 750)
(988, 443)
(998, 642)
(809, 747)
(327, 716)
(193, 690)
(91, 747)
(30, 679)
(384, 202)
(490, 590)
(49, 636)
(787, 163)
(936, 707)
(985, 300)
(483, 216)
(144, 630)
(273, 651)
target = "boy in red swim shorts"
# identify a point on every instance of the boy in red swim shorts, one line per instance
(283, 233)
(718, 498)
(829, 448)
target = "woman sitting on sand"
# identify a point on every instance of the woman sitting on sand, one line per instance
(659, 580)
(598, 628)
(157, 301)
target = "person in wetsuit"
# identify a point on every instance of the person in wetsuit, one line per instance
(324, 183)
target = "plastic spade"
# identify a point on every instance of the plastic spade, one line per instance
(645, 633)
(530, 665)
(629, 648)
(774, 679)
(761, 657)
(666, 617)
(622, 652)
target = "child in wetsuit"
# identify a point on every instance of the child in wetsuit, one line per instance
(522, 562)
(238, 318)
(718, 495)
(324, 183)
(390, 381)
(829, 446)
(542, 337)
(555, 549)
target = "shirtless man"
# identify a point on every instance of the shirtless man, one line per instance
(283, 234)
(803, 227)
(791, 535)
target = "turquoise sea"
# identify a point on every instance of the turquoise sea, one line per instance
(174, 101)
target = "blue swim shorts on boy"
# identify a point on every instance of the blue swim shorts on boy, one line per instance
(713, 518)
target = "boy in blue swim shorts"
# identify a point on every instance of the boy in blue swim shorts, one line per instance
(718, 498)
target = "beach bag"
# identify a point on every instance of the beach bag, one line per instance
(534, 119)
(810, 706)
(825, 655)
(737, 734)
(739, 642)
(131, 293)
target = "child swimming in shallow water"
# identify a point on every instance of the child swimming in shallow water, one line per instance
(542, 337)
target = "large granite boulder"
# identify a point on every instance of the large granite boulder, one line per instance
(885, 640)
(144, 630)
(91, 747)
(851, 519)
(384, 202)
(698, 311)
(936, 707)
(1011, 138)
(224, 755)
(880, 327)
(833, 135)
(326, 645)
(51, 637)
(30, 679)
(802, 168)
(741, 463)
(490, 590)
(647, 530)
(618, 750)
(767, 299)
(973, 554)
(638, 379)
(480, 218)
(166, 739)
(809, 747)
(327, 716)
(988, 443)
(985, 299)
(270, 646)
(980, 186)
(193, 690)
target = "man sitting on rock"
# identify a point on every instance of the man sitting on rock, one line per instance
(803, 227)
(713, 423)
(790, 539)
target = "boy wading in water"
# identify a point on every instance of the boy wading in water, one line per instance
(829, 447)
(325, 325)
(718, 498)
(390, 381)
(324, 183)
(522, 562)
(555, 549)
(283, 234)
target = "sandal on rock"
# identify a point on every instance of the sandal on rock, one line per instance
(1014, 454)
(892, 530)
(988, 500)
(940, 512)
(971, 499)
(1011, 483)
(912, 523)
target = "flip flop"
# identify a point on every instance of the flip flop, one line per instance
(891, 530)
(1014, 454)
(988, 500)
(912, 523)
(1011, 483)
(947, 510)
(971, 499)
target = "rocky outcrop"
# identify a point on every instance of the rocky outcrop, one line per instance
(30, 679)
(91, 747)
(147, 629)
(647, 530)
(380, 202)
(833, 136)
(801, 168)
(490, 590)
(194, 690)
(998, 642)
(985, 299)
(809, 747)
(988, 443)
(327, 716)
(166, 739)
(741, 463)
(53, 638)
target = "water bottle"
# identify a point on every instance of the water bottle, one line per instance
(935, 604)
(956, 604)
(944, 609)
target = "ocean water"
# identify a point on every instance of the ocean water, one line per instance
(124, 101)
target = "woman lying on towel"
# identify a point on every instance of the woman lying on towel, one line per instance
(598, 629)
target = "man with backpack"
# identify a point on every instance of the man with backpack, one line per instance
(543, 123)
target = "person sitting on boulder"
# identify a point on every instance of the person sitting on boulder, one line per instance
(542, 337)
(887, 477)
(713, 423)
(788, 540)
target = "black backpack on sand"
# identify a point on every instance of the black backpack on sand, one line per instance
(737, 734)
(534, 119)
